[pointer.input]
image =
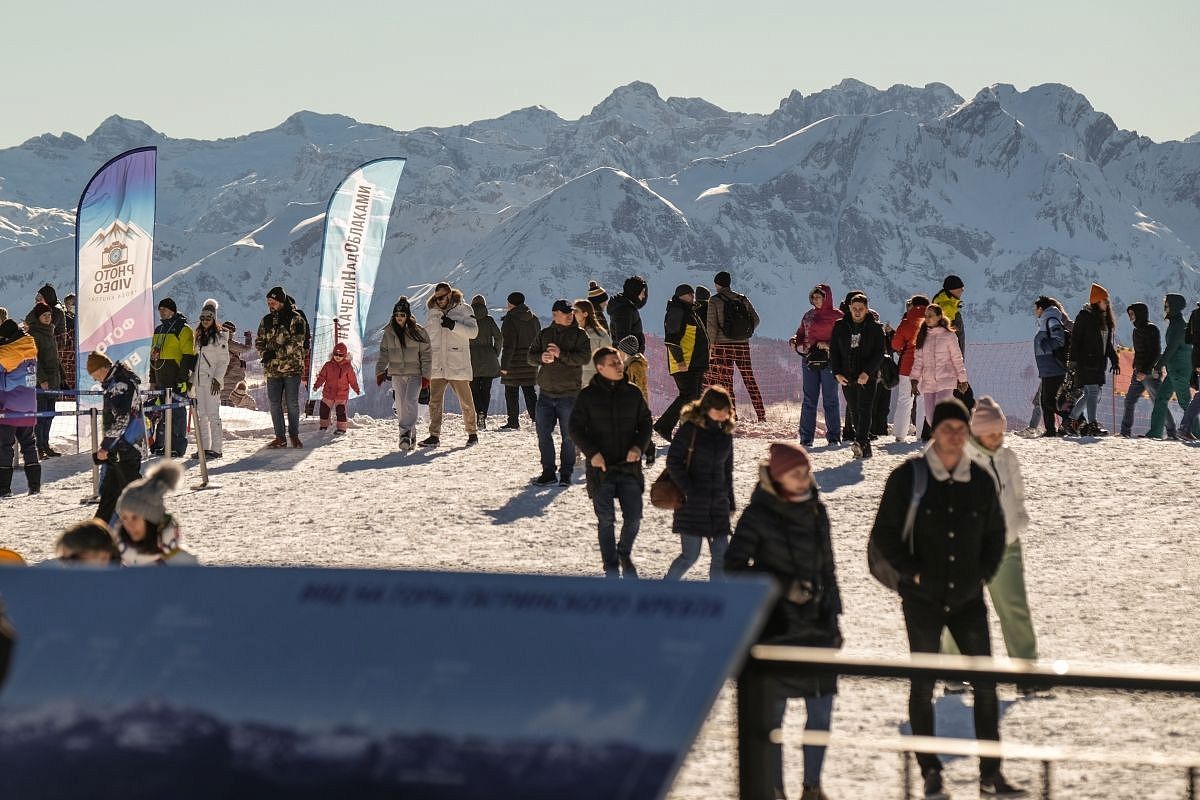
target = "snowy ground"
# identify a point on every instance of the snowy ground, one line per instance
(1110, 563)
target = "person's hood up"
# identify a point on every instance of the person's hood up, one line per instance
(339, 349)
(49, 295)
(827, 293)
(479, 307)
(1176, 303)
(1141, 314)
(633, 289)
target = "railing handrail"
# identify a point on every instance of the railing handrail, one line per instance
(1149, 677)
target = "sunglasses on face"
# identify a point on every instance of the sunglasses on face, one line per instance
(338, 355)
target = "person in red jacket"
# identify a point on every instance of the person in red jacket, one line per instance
(904, 343)
(338, 378)
(812, 343)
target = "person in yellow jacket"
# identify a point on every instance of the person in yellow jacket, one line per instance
(172, 356)
(687, 343)
(949, 299)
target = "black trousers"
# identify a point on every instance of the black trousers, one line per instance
(860, 402)
(881, 406)
(481, 393)
(10, 437)
(969, 626)
(1050, 387)
(688, 384)
(512, 402)
(115, 476)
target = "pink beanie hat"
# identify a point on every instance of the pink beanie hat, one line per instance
(987, 417)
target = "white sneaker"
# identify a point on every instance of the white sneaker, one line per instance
(1029, 433)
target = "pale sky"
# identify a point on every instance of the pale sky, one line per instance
(223, 68)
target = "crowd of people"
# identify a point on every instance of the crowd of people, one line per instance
(948, 524)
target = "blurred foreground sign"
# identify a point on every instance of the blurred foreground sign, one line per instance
(200, 683)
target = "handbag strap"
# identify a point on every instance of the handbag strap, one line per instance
(687, 462)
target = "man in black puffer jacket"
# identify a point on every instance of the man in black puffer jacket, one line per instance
(624, 311)
(1147, 347)
(610, 423)
(518, 329)
(855, 353)
(956, 545)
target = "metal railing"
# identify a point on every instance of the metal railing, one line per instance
(772, 662)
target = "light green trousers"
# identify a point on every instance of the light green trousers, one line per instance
(1007, 590)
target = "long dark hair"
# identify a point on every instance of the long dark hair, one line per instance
(150, 543)
(1109, 319)
(408, 329)
(590, 320)
(923, 331)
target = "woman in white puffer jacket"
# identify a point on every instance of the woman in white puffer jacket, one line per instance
(212, 360)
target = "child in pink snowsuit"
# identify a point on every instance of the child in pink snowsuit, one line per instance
(337, 376)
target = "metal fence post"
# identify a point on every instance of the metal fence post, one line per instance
(95, 447)
(754, 748)
(906, 772)
(167, 446)
(1047, 780)
(1191, 783)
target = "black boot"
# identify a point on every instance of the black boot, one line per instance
(33, 477)
(6, 481)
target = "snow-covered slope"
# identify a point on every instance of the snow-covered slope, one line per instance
(885, 190)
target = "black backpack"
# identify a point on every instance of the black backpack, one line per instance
(738, 323)
(880, 567)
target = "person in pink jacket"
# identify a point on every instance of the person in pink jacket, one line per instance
(937, 368)
(337, 377)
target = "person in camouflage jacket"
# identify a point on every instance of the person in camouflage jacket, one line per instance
(280, 343)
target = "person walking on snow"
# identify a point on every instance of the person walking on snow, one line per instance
(1189, 427)
(18, 395)
(818, 382)
(405, 358)
(1091, 345)
(1147, 347)
(1176, 360)
(610, 424)
(519, 329)
(1007, 587)
(686, 339)
(855, 353)
(280, 342)
(560, 349)
(904, 342)
(784, 533)
(212, 361)
(451, 327)
(937, 368)
(1049, 348)
(485, 359)
(700, 462)
(949, 300)
(731, 323)
(954, 547)
(337, 378)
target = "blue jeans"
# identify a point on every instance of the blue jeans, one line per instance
(552, 411)
(1089, 400)
(626, 489)
(820, 383)
(820, 716)
(279, 390)
(178, 426)
(1150, 387)
(689, 551)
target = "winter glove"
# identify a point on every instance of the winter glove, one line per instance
(651, 455)
(448, 323)
(215, 385)
(380, 378)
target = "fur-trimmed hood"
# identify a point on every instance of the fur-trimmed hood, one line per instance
(692, 413)
(456, 299)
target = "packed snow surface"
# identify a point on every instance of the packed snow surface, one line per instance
(1110, 565)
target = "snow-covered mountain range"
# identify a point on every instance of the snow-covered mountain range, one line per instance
(1019, 192)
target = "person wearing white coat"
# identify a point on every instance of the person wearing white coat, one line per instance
(451, 326)
(212, 359)
(1007, 588)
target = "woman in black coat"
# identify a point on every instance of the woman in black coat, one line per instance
(700, 462)
(784, 533)
(1091, 347)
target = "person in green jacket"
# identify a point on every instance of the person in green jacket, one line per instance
(1176, 358)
